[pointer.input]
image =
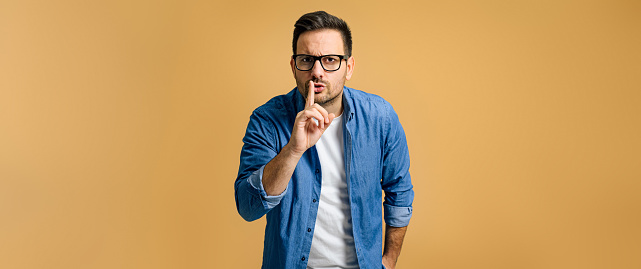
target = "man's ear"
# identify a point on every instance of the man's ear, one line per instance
(292, 64)
(350, 67)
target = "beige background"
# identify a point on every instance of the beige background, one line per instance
(121, 126)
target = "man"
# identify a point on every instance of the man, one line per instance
(317, 159)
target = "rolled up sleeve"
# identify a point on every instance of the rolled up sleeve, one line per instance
(397, 216)
(256, 182)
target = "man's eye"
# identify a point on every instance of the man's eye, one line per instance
(306, 59)
(330, 60)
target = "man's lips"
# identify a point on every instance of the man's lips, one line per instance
(319, 87)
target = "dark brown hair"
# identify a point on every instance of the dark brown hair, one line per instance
(323, 20)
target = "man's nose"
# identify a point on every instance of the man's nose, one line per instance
(317, 69)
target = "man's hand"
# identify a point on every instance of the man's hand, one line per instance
(306, 131)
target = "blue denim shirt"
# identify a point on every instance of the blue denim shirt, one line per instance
(376, 160)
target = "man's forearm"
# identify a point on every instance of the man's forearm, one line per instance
(393, 242)
(279, 170)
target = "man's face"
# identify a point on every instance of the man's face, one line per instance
(328, 87)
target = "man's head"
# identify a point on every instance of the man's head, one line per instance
(320, 34)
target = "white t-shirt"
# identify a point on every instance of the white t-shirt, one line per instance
(333, 242)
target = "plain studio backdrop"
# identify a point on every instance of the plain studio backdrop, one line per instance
(121, 126)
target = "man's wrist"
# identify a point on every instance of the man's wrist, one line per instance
(291, 152)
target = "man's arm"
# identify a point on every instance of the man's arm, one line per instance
(279, 170)
(305, 134)
(399, 193)
(393, 242)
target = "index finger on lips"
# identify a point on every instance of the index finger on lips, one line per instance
(310, 94)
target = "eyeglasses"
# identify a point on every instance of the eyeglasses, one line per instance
(330, 62)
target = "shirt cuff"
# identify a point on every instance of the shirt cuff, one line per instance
(256, 181)
(397, 216)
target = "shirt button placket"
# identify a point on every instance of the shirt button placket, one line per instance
(313, 201)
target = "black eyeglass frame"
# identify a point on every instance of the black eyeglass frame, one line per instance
(318, 58)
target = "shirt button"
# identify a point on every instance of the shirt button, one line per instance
(309, 230)
(317, 171)
(302, 259)
(314, 201)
